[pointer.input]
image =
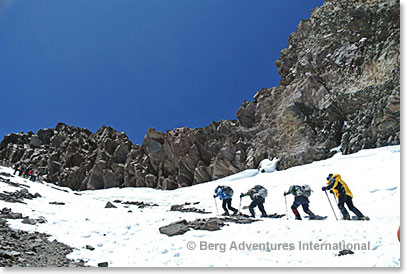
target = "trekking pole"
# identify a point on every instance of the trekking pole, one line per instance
(331, 205)
(216, 206)
(336, 201)
(286, 209)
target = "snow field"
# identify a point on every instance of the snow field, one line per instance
(126, 239)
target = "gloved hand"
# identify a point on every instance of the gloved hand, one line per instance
(241, 195)
(323, 188)
(285, 193)
(214, 196)
(331, 192)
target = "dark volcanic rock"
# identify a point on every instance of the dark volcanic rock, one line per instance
(18, 196)
(345, 252)
(91, 248)
(23, 249)
(110, 205)
(56, 203)
(210, 224)
(182, 208)
(340, 86)
(137, 203)
(175, 228)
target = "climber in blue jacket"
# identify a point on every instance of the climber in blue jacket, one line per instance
(225, 193)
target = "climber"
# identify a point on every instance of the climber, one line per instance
(225, 193)
(342, 192)
(258, 194)
(30, 174)
(301, 194)
(27, 173)
(21, 169)
(34, 175)
(16, 166)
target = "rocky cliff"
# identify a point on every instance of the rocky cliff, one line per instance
(340, 86)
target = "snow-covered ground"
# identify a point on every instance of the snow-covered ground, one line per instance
(133, 239)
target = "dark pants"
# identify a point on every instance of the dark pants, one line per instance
(259, 202)
(305, 207)
(345, 199)
(227, 203)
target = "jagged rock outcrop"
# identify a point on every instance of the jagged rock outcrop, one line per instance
(340, 86)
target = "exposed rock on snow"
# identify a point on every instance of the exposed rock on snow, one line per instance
(175, 228)
(345, 252)
(18, 196)
(182, 208)
(137, 203)
(11, 183)
(6, 213)
(34, 221)
(20, 248)
(91, 248)
(210, 224)
(56, 203)
(110, 205)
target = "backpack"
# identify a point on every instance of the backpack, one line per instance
(228, 190)
(306, 190)
(261, 190)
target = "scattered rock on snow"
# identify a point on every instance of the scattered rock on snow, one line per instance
(9, 182)
(175, 228)
(104, 264)
(241, 219)
(345, 252)
(6, 213)
(18, 196)
(56, 203)
(210, 224)
(5, 174)
(137, 203)
(110, 205)
(91, 248)
(181, 208)
(24, 249)
(28, 221)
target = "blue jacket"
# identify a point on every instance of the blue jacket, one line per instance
(222, 194)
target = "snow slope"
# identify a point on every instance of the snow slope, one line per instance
(132, 239)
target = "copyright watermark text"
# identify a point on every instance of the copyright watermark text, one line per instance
(223, 247)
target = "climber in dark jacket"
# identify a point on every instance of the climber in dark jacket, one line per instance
(301, 194)
(344, 195)
(16, 166)
(224, 194)
(257, 200)
(21, 170)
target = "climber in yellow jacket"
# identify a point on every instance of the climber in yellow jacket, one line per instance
(342, 191)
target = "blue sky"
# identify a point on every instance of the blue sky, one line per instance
(135, 64)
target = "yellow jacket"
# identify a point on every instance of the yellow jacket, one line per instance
(336, 185)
